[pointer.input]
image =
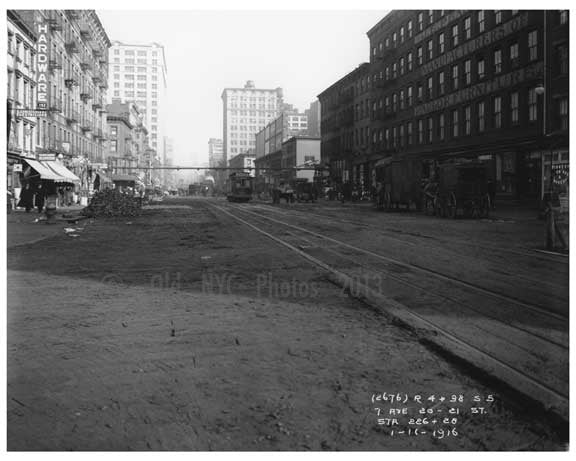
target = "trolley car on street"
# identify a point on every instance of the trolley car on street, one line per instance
(239, 187)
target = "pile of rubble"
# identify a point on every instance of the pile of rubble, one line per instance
(111, 202)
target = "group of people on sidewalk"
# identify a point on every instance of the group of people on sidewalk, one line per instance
(33, 195)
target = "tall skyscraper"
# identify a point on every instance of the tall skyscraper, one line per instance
(246, 111)
(138, 73)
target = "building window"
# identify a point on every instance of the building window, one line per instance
(113, 146)
(409, 133)
(467, 120)
(455, 77)
(563, 113)
(455, 124)
(394, 102)
(402, 34)
(129, 52)
(497, 17)
(401, 99)
(419, 55)
(481, 21)
(441, 44)
(497, 61)
(129, 61)
(441, 127)
(401, 66)
(420, 93)
(420, 131)
(562, 59)
(430, 16)
(455, 35)
(420, 22)
(441, 83)
(409, 60)
(467, 28)
(481, 116)
(410, 29)
(116, 51)
(514, 108)
(387, 73)
(467, 72)
(430, 50)
(532, 105)
(514, 55)
(430, 87)
(430, 129)
(497, 112)
(394, 70)
(409, 100)
(533, 45)
(481, 69)
(563, 17)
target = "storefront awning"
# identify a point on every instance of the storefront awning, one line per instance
(52, 171)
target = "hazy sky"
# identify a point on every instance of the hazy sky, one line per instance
(303, 52)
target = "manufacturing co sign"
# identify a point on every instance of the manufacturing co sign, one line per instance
(42, 58)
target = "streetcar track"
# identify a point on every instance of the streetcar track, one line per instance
(528, 252)
(553, 399)
(495, 294)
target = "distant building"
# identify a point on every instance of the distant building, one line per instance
(270, 138)
(123, 121)
(280, 165)
(245, 112)
(313, 117)
(138, 73)
(215, 152)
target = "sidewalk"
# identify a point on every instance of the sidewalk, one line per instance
(23, 228)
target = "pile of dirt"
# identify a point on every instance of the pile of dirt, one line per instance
(111, 202)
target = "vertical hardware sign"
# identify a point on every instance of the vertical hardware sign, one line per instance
(42, 65)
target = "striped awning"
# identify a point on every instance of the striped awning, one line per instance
(53, 171)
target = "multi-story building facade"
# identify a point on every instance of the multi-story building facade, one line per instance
(21, 94)
(466, 85)
(245, 112)
(345, 124)
(66, 74)
(270, 138)
(138, 73)
(454, 85)
(124, 128)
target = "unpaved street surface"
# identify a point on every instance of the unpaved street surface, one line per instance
(182, 329)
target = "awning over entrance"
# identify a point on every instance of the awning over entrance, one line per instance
(53, 171)
(104, 179)
(123, 179)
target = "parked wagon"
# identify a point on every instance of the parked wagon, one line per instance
(399, 184)
(462, 190)
(305, 190)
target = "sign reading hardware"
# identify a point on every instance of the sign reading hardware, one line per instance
(42, 67)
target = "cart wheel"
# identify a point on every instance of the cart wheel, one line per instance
(452, 206)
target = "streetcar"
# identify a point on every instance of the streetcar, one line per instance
(239, 187)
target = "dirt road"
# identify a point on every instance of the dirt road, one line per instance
(183, 330)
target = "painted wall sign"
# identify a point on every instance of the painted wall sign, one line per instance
(42, 57)
(508, 80)
(473, 45)
(437, 26)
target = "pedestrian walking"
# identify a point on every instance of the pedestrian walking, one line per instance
(40, 198)
(27, 198)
